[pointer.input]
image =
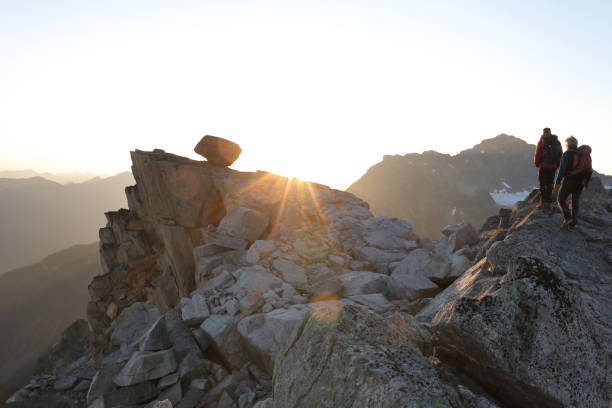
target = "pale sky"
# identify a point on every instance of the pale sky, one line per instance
(318, 90)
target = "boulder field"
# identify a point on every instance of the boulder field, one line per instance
(231, 289)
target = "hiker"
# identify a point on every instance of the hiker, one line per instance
(575, 172)
(546, 159)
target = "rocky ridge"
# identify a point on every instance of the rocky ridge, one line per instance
(231, 289)
(431, 190)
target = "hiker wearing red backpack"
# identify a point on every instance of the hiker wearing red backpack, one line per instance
(575, 172)
(546, 159)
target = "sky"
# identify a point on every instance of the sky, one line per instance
(317, 90)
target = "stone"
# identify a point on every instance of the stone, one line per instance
(254, 279)
(199, 384)
(251, 303)
(160, 404)
(290, 272)
(398, 290)
(66, 383)
(246, 400)
(191, 399)
(363, 282)
(232, 307)
(167, 381)
(265, 334)
(215, 283)
(217, 150)
(201, 338)
(194, 310)
(226, 401)
(229, 241)
(378, 259)
(459, 264)
(371, 354)
(174, 394)
(324, 287)
(260, 250)
(464, 235)
(82, 386)
(411, 273)
(225, 338)
(145, 365)
(206, 250)
(131, 395)
(183, 342)
(374, 301)
(132, 324)
(112, 310)
(156, 338)
(336, 260)
(438, 268)
(87, 373)
(229, 383)
(102, 382)
(288, 291)
(245, 223)
(388, 233)
(194, 365)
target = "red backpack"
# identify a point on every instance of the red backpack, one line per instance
(581, 162)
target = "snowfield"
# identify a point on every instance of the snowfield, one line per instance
(507, 199)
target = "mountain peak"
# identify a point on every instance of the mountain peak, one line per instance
(501, 143)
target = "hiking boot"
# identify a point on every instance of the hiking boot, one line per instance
(567, 224)
(541, 205)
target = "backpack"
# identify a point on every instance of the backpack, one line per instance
(581, 161)
(551, 150)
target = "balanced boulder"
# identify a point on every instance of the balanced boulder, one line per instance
(218, 150)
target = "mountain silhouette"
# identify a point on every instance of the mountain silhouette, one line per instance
(40, 217)
(431, 190)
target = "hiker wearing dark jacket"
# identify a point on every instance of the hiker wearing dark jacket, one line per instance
(573, 183)
(546, 159)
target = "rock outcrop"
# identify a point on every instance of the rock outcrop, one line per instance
(232, 289)
(531, 321)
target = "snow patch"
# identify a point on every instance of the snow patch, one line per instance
(608, 187)
(507, 199)
(505, 184)
(454, 212)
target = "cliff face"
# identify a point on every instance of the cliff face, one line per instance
(147, 251)
(231, 289)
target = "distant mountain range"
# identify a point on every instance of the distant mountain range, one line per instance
(40, 216)
(62, 178)
(37, 303)
(432, 190)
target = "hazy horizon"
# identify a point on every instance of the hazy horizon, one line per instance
(316, 91)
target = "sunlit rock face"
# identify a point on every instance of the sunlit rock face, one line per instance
(231, 289)
(179, 204)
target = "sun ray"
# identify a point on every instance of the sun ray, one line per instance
(281, 209)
